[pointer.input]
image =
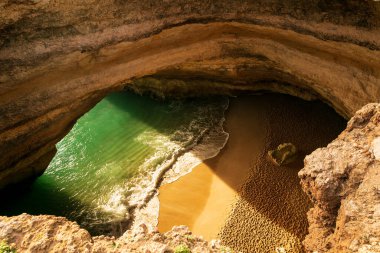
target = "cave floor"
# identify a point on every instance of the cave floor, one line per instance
(240, 196)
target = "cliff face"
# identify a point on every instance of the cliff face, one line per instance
(59, 58)
(343, 180)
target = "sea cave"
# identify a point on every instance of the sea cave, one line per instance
(190, 126)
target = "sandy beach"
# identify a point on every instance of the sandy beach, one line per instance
(213, 185)
(239, 196)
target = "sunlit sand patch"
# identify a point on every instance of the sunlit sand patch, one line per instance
(192, 201)
(242, 197)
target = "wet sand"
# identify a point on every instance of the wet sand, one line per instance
(240, 196)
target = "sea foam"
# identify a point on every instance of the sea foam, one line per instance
(176, 155)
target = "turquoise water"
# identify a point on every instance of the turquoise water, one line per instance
(109, 156)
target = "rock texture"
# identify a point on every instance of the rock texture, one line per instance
(343, 180)
(284, 154)
(46, 233)
(59, 58)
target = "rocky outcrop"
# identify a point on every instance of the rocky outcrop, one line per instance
(59, 58)
(343, 180)
(44, 233)
(285, 153)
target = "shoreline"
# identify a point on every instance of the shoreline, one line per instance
(254, 194)
(213, 184)
(207, 146)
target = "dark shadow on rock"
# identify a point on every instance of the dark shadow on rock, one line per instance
(16, 200)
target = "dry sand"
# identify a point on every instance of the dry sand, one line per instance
(240, 196)
(193, 199)
(190, 200)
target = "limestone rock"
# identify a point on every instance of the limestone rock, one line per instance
(59, 58)
(284, 154)
(343, 180)
(46, 233)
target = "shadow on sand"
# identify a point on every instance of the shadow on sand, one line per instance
(257, 124)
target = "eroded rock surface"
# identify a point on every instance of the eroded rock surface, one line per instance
(47, 233)
(343, 180)
(284, 154)
(59, 58)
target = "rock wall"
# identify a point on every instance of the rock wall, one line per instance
(343, 180)
(44, 233)
(59, 58)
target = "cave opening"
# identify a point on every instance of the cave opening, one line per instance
(201, 162)
(61, 60)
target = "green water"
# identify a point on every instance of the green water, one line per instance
(110, 154)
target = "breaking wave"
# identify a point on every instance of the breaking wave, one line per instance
(116, 156)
